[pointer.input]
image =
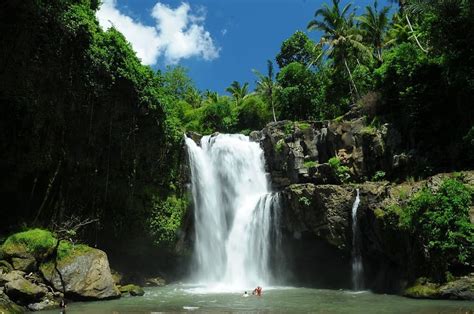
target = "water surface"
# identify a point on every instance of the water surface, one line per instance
(184, 298)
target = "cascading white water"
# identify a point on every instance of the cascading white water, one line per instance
(357, 266)
(236, 216)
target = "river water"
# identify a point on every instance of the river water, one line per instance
(185, 298)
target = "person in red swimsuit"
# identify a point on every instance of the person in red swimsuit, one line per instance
(257, 291)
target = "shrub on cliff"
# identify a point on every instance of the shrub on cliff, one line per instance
(440, 221)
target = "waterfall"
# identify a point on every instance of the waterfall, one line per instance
(236, 215)
(357, 267)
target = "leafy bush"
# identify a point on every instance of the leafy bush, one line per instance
(279, 146)
(310, 164)
(440, 221)
(253, 114)
(305, 201)
(379, 176)
(166, 219)
(342, 172)
(298, 93)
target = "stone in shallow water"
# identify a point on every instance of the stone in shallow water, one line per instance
(155, 282)
(23, 291)
(459, 289)
(44, 305)
(133, 290)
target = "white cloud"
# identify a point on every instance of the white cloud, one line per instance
(224, 31)
(178, 34)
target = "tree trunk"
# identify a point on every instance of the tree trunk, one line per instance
(351, 78)
(48, 191)
(414, 35)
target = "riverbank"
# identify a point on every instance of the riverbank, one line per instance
(38, 271)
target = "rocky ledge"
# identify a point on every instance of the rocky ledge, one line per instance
(317, 219)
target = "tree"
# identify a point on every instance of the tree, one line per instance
(298, 48)
(298, 93)
(340, 36)
(374, 24)
(266, 86)
(237, 91)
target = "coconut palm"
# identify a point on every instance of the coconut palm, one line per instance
(413, 7)
(340, 37)
(237, 91)
(373, 25)
(266, 86)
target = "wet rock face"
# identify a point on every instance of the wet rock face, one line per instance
(86, 275)
(320, 210)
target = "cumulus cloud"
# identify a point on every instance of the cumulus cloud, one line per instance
(178, 34)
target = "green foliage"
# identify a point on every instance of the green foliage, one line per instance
(280, 146)
(218, 116)
(166, 219)
(303, 126)
(310, 164)
(440, 220)
(86, 128)
(289, 128)
(67, 251)
(37, 242)
(304, 201)
(298, 97)
(379, 176)
(298, 48)
(253, 114)
(342, 172)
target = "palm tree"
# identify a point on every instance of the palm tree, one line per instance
(340, 36)
(399, 32)
(211, 97)
(266, 86)
(374, 24)
(237, 91)
(414, 7)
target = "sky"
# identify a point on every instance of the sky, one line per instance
(218, 41)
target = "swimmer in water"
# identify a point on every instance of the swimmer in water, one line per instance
(245, 294)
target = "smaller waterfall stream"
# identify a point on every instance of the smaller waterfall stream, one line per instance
(357, 266)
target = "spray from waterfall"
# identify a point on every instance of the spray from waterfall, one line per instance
(357, 266)
(236, 215)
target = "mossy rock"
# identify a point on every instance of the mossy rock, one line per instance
(24, 291)
(459, 289)
(84, 270)
(133, 290)
(5, 267)
(36, 243)
(422, 289)
(7, 306)
(26, 264)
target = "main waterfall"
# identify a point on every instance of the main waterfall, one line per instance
(236, 216)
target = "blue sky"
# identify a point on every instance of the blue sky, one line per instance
(218, 41)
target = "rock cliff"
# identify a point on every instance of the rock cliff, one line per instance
(317, 197)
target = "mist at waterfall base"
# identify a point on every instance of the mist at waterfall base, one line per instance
(237, 234)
